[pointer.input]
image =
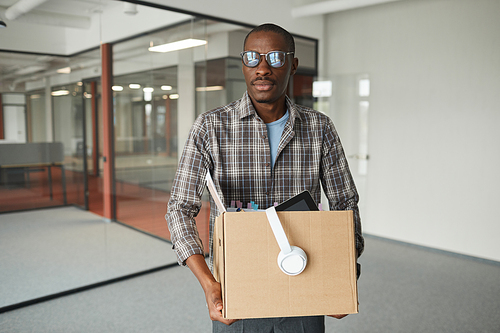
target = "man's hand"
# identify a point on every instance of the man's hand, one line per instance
(213, 295)
(212, 288)
(338, 316)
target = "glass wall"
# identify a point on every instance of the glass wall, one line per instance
(48, 166)
(218, 82)
(157, 96)
(146, 146)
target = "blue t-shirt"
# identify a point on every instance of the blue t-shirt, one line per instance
(274, 132)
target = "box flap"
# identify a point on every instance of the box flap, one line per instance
(218, 253)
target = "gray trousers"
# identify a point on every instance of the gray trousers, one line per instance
(314, 324)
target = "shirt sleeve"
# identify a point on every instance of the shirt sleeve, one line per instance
(185, 198)
(337, 181)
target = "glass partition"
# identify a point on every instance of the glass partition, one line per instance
(154, 93)
(218, 82)
(146, 105)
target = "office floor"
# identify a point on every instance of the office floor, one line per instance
(403, 288)
(52, 250)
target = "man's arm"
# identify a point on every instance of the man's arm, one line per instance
(339, 187)
(338, 183)
(187, 189)
(212, 288)
(183, 206)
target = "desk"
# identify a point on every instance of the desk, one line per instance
(30, 157)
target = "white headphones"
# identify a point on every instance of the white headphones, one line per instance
(292, 260)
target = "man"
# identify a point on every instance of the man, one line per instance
(261, 148)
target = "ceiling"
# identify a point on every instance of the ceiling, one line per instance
(78, 8)
(27, 15)
(73, 20)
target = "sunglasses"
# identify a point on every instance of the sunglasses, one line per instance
(275, 59)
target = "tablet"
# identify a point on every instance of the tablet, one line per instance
(301, 202)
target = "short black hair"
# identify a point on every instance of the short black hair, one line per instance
(270, 27)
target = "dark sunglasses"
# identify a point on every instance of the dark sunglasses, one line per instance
(275, 59)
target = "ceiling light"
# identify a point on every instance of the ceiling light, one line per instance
(60, 93)
(117, 88)
(211, 88)
(166, 87)
(134, 86)
(65, 70)
(179, 45)
(148, 89)
(174, 96)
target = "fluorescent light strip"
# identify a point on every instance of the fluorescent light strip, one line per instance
(134, 86)
(65, 70)
(179, 45)
(60, 93)
(117, 88)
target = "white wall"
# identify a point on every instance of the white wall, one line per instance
(434, 66)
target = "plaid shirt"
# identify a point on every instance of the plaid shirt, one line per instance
(231, 143)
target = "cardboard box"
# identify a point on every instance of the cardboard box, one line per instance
(253, 286)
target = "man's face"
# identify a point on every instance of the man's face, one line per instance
(266, 84)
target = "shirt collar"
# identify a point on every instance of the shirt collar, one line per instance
(247, 109)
